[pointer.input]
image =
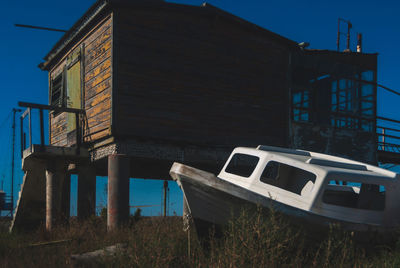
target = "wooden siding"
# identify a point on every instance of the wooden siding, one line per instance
(198, 79)
(97, 87)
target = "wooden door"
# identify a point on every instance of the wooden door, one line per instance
(74, 87)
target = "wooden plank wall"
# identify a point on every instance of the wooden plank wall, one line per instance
(98, 49)
(198, 79)
(97, 87)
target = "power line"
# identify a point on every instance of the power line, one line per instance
(40, 28)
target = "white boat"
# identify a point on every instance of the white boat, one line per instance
(313, 189)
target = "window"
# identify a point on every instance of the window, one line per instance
(301, 105)
(354, 100)
(57, 91)
(355, 195)
(289, 178)
(242, 165)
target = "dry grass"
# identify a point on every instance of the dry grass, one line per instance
(249, 241)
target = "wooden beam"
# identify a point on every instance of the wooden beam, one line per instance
(50, 107)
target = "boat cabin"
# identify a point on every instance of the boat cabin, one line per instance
(328, 186)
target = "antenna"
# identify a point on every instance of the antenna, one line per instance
(349, 26)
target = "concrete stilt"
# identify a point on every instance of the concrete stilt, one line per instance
(66, 198)
(118, 191)
(55, 176)
(86, 191)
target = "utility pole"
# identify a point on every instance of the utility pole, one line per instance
(12, 160)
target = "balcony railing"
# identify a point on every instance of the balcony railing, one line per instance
(50, 108)
(388, 132)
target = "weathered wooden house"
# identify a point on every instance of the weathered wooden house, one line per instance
(156, 82)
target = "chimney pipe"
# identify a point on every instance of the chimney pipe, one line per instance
(349, 26)
(359, 42)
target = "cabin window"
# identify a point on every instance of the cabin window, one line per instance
(242, 165)
(355, 195)
(289, 178)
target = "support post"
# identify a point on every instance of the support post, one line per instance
(165, 190)
(55, 177)
(41, 127)
(118, 191)
(86, 191)
(66, 198)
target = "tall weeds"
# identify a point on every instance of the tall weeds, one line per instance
(254, 239)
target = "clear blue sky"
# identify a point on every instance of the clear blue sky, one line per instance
(313, 21)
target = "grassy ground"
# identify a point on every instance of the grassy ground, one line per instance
(249, 241)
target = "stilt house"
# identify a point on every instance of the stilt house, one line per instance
(137, 85)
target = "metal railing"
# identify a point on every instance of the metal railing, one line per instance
(41, 108)
(388, 133)
(387, 130)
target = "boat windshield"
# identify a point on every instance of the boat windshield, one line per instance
(242, 165)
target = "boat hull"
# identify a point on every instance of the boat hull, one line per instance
(213, 202)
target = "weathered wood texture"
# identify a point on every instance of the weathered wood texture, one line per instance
(98, 82)
(97, 87)
(198, 79)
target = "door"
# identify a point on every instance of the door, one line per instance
(74, 90)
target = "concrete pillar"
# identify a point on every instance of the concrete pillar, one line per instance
(118, 191)
(66, 198)
(55, 177)
(86, 191)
